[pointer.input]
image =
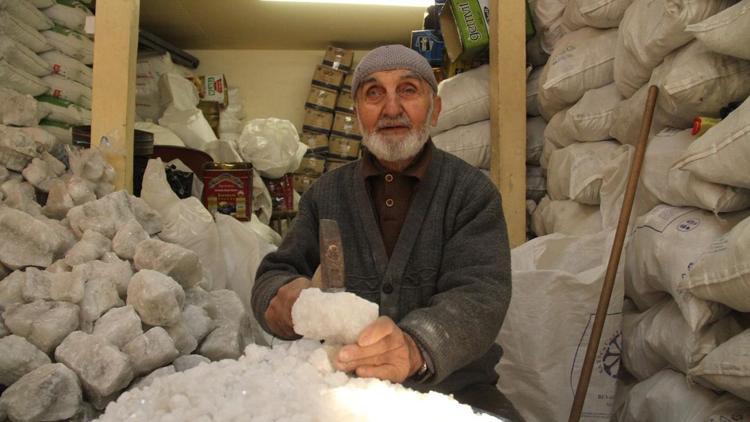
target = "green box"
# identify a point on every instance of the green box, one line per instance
(465, 26)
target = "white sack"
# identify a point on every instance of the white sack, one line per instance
(27, 13)
(471, 143)
(162, 135)
(566, 217)
(535, 54)
(20, 56)
(727, 32)
(71, 43)
(20, 80)
(692, 81)
(18, 109)
(668, 397)
(660, 337)
(69, 67)
(679, 187)
(23, 33)
(547, 17)
(591, 117)
(595, 13)
(557, 280)
(177, 91)
(666, 242)
(722, 272)
(726, 368)
(190, 125)
(465, 99)
(535, 127)
(721, 155)
(272, 145)
(62, 131)
(649, 31)
(64, 111)
(532, 89)
(70, 90)
(582, 60)
(576, 171)
(71, 16)
(555, 137)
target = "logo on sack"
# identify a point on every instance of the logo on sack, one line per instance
(689, 224)
(610, 355)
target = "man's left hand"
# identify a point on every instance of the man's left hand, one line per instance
(382, 351)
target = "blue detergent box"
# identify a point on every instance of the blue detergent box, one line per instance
(428, 43)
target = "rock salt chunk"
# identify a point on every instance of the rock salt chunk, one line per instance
(59, 201)
(18, 357)
(65, 237)
(50, 392)
(102, 368)
(21, 196)
(201, 298)
(119, 326)
(112, 268)
(229, 307)
(25, 240)
(182, 337)
(59, 266)
(105, 215)
(149, 379)
(182, 264)
(4, 331)
(37, 286)
(66, 286)
(43, 170)
(50, 328)
(147, 217)
(126, 239)
(80, 190)
(152, 349)
(11, 289)
(157, 298)
(99, 296)
(224, 342)
(337, 318)
(183, 363)
(197, 321)
(91, 246)
(19, 318)
(4, 271)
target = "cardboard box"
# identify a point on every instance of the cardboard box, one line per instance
(346, 148)
(312, 165)
(317, 142)
(346, 125)
(214, 88)
(322, 98)
(328, 77)
(429, 44)
(317, 121)
(339, 58)
(345, 103)
(348, 81)
(465, 26)
(302, 182)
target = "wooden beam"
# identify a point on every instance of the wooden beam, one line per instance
(113, 105)
(508, 111)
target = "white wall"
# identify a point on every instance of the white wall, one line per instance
(273, 83)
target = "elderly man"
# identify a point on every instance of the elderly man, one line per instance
(424, 237)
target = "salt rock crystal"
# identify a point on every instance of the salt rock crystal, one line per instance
(18, 357)
(3, 329)
(146, 216)
(199, 297)
(228, 307)
(18, 146)
(149, 379)
(119, 326)
(90, 165)
(183, 363)
(102, 368)
(65, 237)
(197, 321)
(110, 267)
(11, 289)
(50, 392)
(157, 298)
(182, 264)
(224, 342)
(127, 238)
(299, 374)
(26, 241)
(183, 339)
(21, 196)
(59, 266)
(37, 286)
(337, 318)
(80, 190)
(99, 296)
(66, 286)
(42, 171)
(44, 323)
(105, 215)
(150, 350)
(91, 246)
(59, 200)
(4, 271)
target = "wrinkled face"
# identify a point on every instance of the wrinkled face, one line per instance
(395, 109)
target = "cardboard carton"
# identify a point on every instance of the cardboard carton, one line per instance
(328, 77)
(346, 125)
(214, 89)
(429, 44)
(317, 121)
(322, 98)
(345, 103)
(465, 26)
(339, 58)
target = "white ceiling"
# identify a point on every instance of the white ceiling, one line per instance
(257, 24)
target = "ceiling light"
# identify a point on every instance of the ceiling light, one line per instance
(398, 3)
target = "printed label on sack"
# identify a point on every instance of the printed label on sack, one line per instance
(601, 392)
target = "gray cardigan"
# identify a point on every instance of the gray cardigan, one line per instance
(448, 280)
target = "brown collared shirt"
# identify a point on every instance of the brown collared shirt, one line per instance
(391, 193)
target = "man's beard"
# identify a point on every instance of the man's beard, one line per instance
(395, 148)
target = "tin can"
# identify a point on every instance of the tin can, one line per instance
(228, 189)
(282, 192)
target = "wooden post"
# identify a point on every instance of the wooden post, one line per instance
(113, 106)
(508, 111)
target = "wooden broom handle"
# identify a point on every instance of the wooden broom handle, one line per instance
(614, 258)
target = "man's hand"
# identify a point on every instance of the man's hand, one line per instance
(382, 351)
(279, 313)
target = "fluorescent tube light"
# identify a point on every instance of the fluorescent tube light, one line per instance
(396, 3)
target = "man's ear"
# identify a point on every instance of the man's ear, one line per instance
(437, 106)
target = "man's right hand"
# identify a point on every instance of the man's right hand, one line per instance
(279, 313)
